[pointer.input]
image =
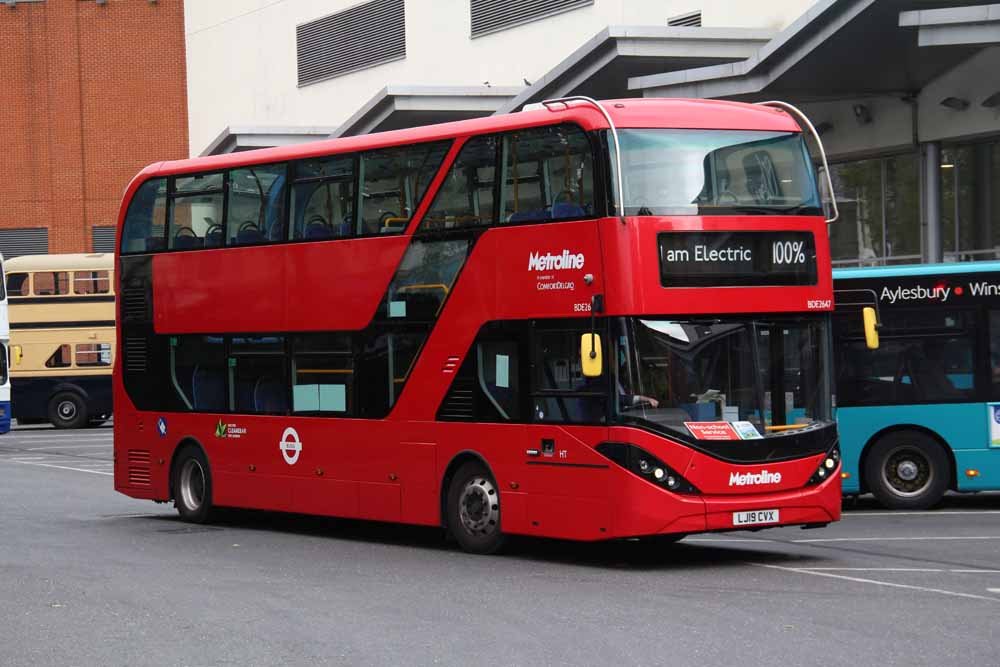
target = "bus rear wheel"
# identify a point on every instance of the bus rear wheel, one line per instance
(192, 485)
(474, 509)
(907, 470)
(68, 410)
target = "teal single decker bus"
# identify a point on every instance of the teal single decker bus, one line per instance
(920, 415)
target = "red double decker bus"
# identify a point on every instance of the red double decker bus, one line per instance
(584, 320)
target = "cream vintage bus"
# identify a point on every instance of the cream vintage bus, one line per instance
(62, 338)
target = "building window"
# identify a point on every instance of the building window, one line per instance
(363, 36)
(970, 207)
(689, 20)
(494, 15)
(879, 202)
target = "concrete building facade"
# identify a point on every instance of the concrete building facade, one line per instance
(90, 92)
(904, 92)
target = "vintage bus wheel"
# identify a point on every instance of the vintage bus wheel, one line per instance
(474, 509)
(192, 486)
(907, 470)
(68, 410)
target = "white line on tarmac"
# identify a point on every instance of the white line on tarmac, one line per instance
(915, 538)
(897, 569)
(39, 449)
(49, 465)
(877, 582)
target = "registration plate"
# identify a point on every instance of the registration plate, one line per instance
(755, 517)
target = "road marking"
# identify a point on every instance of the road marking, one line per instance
(915, 538)
(888, 584)
(728, 539)
(49, 465)
(897, 569)
(993, 590)
(39, 449)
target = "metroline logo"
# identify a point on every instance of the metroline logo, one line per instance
(549, 262)
(763, 477)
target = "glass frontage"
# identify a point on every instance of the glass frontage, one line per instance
(716, 172)
(773, 373)
(970, 207)
(879, 202)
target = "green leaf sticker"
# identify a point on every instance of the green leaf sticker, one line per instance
(220, 430)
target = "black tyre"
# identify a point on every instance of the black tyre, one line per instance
(192, 485)
(907, 470)
(67, 409)
(473, 509)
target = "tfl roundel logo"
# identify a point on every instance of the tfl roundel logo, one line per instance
(290, 445)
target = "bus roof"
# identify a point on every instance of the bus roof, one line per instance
(917, 270)
(626, 113)
(63, 262)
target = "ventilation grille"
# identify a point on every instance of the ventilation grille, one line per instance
(134, 304)
(494, 15)
(135, 355)
(363, 36)
(25, 241)
(103, 239)
(138, 467)
(689, 20)
(458, 403)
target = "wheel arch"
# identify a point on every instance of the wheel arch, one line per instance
(895, 428)
(456, 462)
(181, 445)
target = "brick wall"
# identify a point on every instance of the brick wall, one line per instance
(89, 94)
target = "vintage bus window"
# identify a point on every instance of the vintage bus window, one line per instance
(256, 206)
(322, 373)
(196, 212)
(561, 393)
(549, 175)
(93, 354)
(393, 182)
(144, 222)
(18, 284)
(257, 375)
(49, 283)
(323, 198)
(465, 198)
(198, 372)
(61, 358)
(91, 282)
(717, 172)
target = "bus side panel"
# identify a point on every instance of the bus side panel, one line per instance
(294, 287)
(962, 426)
(31, 395)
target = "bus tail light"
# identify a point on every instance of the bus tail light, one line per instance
(647, 466)
(827, 467)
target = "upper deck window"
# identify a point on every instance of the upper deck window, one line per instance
(256, 205)
(717, 172)
(147, 213)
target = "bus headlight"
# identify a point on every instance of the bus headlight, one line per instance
(827, 467)
(645, 465)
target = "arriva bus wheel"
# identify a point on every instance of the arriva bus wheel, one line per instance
(192, 485)
(68, 410)
(907, 470)
(474, 509)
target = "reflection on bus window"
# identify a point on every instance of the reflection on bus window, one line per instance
(465, 198)
(18, 284)
(48, 283)
(93, 354)
(393, 181)
(91, 282)
(144, 223)
(60, 358)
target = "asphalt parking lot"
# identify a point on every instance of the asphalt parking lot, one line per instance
(89, 576)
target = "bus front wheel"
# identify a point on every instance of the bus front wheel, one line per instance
(474, 509)
(67, 410)
(192, 485)
(907, 470)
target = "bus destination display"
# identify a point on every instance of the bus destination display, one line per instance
(736, 259)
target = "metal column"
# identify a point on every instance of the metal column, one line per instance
(933, 248)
